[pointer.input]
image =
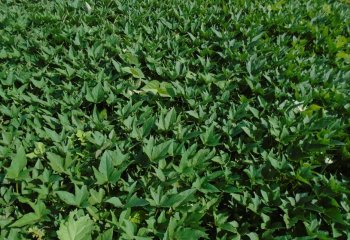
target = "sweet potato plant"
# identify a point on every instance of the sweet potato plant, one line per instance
(174, 119)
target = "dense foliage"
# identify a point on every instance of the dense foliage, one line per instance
(216, 119)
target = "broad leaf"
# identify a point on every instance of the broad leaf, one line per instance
(18, 163)
(76, 228)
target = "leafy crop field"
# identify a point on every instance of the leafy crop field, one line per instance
(184, 120)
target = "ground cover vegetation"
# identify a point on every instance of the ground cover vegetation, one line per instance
(125, 119)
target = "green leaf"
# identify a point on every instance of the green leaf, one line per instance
(209, 137)
(116, 65)
(81, 196)
(134, 201)
(253, 236)
(115, 202)
(96, 197)
(335, 215)
(101, 178)
(190, 234)
(106, 171)
(106, 167)
(164, 89)
(18, 163)
(27, 219)
(178, 199)
(67, 197)
(76, 228)
(116, 156)
(170, 119)
(106, 235)
(96, 95)
(56, 162)
(135, 72)
(340, 41)
(52, 135)
(129, 228)
(156, 152)
(151, 86)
